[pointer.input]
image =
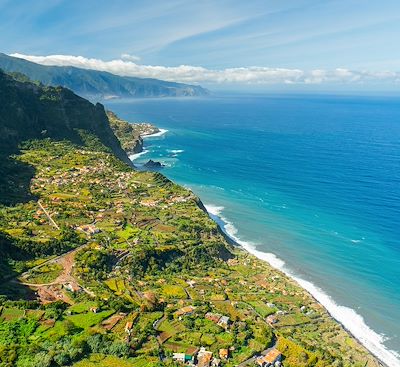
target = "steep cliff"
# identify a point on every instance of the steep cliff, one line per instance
(29, 111)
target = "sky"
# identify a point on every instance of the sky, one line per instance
(346, 43)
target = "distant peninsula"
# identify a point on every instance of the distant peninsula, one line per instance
(98, 85)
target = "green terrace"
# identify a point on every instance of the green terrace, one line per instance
(109, 266)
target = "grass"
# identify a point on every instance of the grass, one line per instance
(225, 338)
(148, 318)
(208, 339)
(177, 347)
(227, 309)
(82, 307)
(36, 314)
(112, 284)
(127, 233)
(295, 354)
(122, 288)
(86, 320)
(45, 274)
(242, 354)
(99, 360)
(217, 297)
(171, 327)
(192, 337)
(60, 329)
(262, 308)
(291, 320)
(173, 291)
(144, 362)
(9, 314)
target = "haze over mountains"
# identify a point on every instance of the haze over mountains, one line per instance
(98, 84)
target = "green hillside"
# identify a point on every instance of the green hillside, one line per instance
(102, 265)
(98, 84)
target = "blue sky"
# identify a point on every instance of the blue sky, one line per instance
(305, 35)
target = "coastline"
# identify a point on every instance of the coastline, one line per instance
(143, 151)
(317, 294)
(346, 317)
(154, 135)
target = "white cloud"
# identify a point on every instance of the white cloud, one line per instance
(129, 57)
(127, 66)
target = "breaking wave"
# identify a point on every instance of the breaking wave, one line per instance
(349, 318)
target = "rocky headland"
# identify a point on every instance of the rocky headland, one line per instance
(130, 134)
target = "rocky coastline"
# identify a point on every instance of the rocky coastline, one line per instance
(130, 134)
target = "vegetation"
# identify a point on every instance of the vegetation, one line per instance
(93, 83)
(130, 135)
(103, 265)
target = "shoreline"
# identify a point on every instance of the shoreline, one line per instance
(154, 135)
(316, 293)
(143, 151)
(334, 310)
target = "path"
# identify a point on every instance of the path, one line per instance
(48, 215)
(157, 323)
(57, 259)
(48, 292)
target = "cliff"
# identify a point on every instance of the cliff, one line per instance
(30, 111)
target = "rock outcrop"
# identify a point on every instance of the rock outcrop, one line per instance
(150, 164)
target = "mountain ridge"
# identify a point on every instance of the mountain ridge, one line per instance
(96, 84)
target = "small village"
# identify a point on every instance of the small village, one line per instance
(144, 277)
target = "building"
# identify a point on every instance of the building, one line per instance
(72, 287)
(271, 319)
(204, 358)
(179, 357)
(223, 353)
(214, 317)
(273, 357)
(182, 357)
(128, 327)
(89, 229)
(224, 322)
(188, 310)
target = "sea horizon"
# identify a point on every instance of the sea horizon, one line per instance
(274, 217)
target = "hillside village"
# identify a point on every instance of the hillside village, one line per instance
(129, 268)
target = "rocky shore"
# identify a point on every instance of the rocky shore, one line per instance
(129, 134)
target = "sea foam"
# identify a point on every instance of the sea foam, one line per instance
(175, 151)
(132, 157)
(349, 318)
(161, 132)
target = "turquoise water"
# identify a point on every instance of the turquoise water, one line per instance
(309, 183)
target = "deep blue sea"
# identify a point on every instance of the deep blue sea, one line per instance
(309, 183)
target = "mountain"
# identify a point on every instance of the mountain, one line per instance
(31, 111)
(98, 84)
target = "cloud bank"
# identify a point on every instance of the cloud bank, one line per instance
(128, 66)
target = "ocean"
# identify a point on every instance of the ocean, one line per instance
(309, 183)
